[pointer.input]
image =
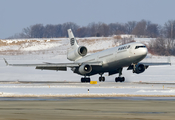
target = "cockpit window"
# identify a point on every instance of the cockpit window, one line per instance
(140, 47)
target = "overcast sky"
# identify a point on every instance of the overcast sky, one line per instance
(18, 14)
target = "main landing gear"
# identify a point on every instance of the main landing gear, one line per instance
(101, 78)
(120, 79)
(88, 80)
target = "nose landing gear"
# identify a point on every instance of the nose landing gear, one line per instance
(101, 78)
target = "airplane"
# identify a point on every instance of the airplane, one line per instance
(111, 61)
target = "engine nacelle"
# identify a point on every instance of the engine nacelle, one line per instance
(139, 68)
(85, 69)
(77, 53)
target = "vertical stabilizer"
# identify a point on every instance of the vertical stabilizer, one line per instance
(75, 51)
(73, 41)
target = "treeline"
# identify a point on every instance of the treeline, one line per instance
(163, 45)
(141, 28)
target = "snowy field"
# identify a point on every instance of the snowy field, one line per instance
(26, 81)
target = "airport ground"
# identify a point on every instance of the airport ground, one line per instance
(87, 109)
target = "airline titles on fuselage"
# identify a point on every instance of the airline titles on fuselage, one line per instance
(124, 47)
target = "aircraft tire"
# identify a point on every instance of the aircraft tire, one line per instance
(116, 79)
(99, 79)
(122, 79)
(88, 80)
(119, 79)
(103, 79)
(83, 80)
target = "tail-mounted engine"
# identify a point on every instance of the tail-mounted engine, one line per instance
(77, 53)
(85, 69)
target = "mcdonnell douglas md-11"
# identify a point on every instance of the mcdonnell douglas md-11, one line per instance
(111, 61)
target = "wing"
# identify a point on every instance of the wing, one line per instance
(157, 63)
(154, 64)
(63, 66)
(147, 64)
(55, 66)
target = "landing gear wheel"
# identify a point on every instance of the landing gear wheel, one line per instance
(85, 80)
(101, 79)
(119, 79)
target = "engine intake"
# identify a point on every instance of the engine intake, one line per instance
(85, 69)
(82, 50)
(77, 53)
(139, 68)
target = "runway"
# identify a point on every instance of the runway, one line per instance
(78, 89)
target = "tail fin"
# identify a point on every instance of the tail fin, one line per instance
(73, 41)
(75, 52)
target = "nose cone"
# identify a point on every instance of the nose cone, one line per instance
(141, 54)
(144, 51)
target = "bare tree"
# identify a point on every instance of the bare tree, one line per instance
(82, 32)
(26, 32)
(130, 26)
(37, 31)
(116, 28)
(49, 31)
(140, 29)
(169, 29)
(103, 29)
(152, 30)
(93, 29)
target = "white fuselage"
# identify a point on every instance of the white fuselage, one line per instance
(117, 57)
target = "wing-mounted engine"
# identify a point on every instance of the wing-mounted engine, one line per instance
(77, 53)
(85, 69)
(138, 68)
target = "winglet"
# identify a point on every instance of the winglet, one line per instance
(6, 61)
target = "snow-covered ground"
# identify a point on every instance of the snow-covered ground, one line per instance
(158, 81)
